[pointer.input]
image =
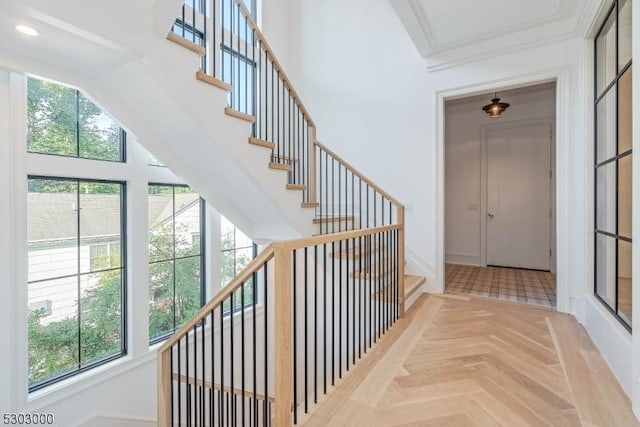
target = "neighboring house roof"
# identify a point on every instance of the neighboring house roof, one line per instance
(52, 218)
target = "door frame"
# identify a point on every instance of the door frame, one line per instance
(484, 181)
(568, 297)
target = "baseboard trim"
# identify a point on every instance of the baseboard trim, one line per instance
(463, 259)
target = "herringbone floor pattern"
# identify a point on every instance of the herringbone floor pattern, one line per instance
(459, 361)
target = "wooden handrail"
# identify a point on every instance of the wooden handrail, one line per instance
(359, 175)
(257, 263)
(276, 65)
(229, 288)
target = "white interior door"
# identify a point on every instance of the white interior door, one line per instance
(518, 197)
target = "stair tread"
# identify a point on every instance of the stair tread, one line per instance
(239, 115)
(206, 78)
(356, 252)
(262, 143)
(310, 204)
(282, 157)
(338, 218)
(296, 187)
(181, 41)
(412, 284)
(280, 166)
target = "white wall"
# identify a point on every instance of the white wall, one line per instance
(464, 123)
(375, 103)
(125, 387)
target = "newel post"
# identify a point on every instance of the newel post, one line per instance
(401, 259)
(283, 361)
(164, 388)
(313, 197)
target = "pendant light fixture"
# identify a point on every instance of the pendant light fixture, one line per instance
(496, 107)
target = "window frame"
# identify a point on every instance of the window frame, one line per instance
(202, 257)
(234, 250)
(78, 93)
(31, 388)
(607, 89)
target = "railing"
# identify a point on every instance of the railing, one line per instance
(347, 199)
(289, 326)
(279, 335)
(238, 54)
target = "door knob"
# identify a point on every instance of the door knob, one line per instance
(489, 215)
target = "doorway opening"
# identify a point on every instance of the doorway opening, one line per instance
(500, 196)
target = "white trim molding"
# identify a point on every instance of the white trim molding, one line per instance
(565, 246)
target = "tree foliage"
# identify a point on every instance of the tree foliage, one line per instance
(61, 121)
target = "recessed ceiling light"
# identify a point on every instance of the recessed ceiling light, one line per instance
(29, 31)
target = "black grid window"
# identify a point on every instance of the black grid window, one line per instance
(81, 323)
(613, 149)
(176, 258)
(237, 252)
(61, 121)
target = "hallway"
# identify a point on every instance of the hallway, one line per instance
(507, 284)
(461, 361)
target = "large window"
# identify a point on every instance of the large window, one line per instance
(76, 276)
(613, 142)
(237, 251)
(61, 121)
(176, 256)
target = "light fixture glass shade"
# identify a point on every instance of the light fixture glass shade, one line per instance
(495, 108)
(27, 30)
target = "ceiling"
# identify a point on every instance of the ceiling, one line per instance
(452, 31)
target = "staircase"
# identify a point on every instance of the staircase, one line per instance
(282, 334)
(201, 87)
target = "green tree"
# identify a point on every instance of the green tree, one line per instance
(61, 121)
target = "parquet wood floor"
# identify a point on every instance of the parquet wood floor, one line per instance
(459, 361)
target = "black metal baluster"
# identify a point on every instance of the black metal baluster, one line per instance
(246, 77)
(360, 202)
(315, 324)
(326, 192)
(193, 23)
(333, 194)
(239, 59)
(232, 358)
(184, 21)
(214, 47)
(266, 346)
(273, 110)
(333, 316)
(222, 397)
(353, 301)
(242, 366)
(361, 313)
(346, 307)
(306, 356)
(213, 367)
(179, 381)
(324, 317)
(369, 283)
(339, 195)
(367, 206)
(295, 340)
(255, 351)
(339, 309)
(188, 389)
(202, 358)
(195, 374)
(379, 284)
(171, 381)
